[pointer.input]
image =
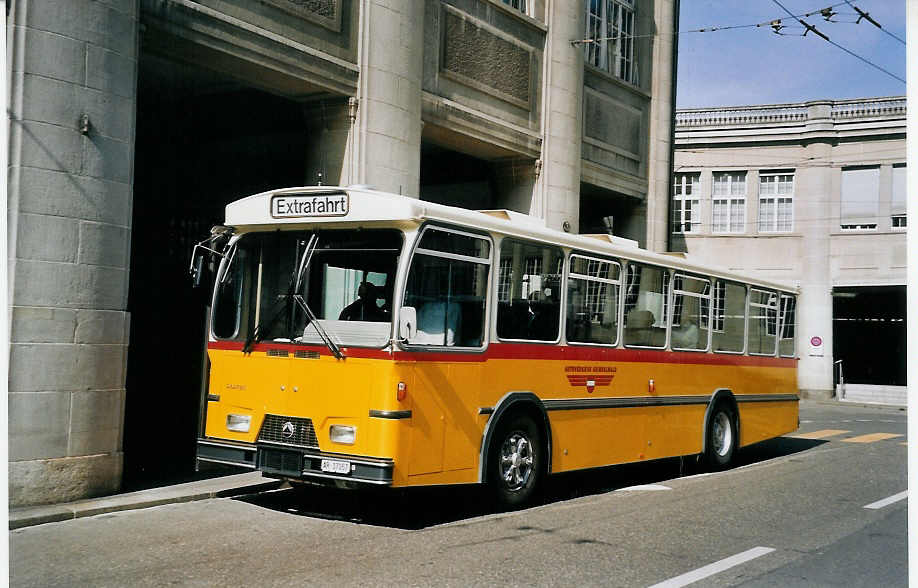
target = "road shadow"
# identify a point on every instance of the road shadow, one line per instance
(418, 508)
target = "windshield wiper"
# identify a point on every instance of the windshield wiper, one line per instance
(323, 334)
(256, 334)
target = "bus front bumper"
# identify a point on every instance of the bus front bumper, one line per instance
(297, 463)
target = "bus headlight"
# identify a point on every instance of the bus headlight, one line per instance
(342, 434)
(238, 422)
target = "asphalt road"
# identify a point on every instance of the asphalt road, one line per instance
(792, 513)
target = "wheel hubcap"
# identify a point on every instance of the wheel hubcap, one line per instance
(516, 461)
(722, 434)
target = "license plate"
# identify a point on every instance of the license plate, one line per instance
(335, 466)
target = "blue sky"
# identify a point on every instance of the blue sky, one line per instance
(747, 66)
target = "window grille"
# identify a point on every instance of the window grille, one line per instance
(610, 28)
(686, 214)
(776, 202)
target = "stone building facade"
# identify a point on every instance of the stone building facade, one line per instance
(814, 194)
(133, 122)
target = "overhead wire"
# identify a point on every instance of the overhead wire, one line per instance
(866, 15)
(830, 41)
(704, 29)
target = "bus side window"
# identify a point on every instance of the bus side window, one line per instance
(691, 313)
(788, 326)
(646, 291)
(592, 300)
(529, 291)
(729, 317)
(447, 287)
(763, 322)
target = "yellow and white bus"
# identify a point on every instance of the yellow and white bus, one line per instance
(359, 337)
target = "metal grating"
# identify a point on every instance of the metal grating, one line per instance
(306, 355)
(277, 353)
(272, 429)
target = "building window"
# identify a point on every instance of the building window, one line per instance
(729, 202)
(860, 198)
(521, 5)
(898, 206)
(776, 202)
(686, 192)
(610, 30)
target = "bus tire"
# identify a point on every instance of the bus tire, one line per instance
(516, 461)
(722, 438)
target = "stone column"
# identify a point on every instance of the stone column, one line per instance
(388, 124)
(73, 72)
(813, 194)
(562, 127)
(659, 156)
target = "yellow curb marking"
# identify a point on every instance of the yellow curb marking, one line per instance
(871, 438)
(820, 434)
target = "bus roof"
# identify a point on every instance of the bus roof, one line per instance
(309, 206)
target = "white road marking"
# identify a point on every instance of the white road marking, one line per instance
(714, 568)
(644, 487)
(887, 501)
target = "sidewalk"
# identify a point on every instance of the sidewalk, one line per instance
(235, 485)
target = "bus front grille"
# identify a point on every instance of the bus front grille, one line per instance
(289, 431)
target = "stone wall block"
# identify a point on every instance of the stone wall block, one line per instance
(50, 101)
(102, 244)
(110, 72)
(95, 421)
(47, 238)
(43, 325)
(101, 326)
(40, 283)
(61, 480)
(50, 147)
(61, 194)
(89, 20)
(39, 425)
(110, 115)
(54, 56)
(107, 158)
(100, 367)
(41, 367)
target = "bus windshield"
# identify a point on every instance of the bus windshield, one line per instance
(272, 280)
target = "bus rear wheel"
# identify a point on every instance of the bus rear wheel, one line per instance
(515, 462)
(722, 437)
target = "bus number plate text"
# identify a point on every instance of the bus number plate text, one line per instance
(334, 466)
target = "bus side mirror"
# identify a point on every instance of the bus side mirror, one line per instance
(407, 323)
(197, 271)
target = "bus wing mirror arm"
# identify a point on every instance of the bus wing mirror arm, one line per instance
(407, 323)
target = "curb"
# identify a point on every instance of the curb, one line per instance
(224, 487)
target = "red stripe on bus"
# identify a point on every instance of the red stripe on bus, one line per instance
(498, 351)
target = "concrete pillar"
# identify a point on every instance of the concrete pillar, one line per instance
(388, 124)
(73, 72)
(558, 186)
(659, 157)
(813, 191)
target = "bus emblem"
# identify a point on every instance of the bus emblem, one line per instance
(589, 376)
(288, 430)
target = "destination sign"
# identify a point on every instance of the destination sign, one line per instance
(303, 205)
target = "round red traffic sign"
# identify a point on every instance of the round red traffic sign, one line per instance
(816, 341)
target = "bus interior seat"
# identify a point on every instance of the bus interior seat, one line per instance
(686, 335)
(639, 329)
(543, 325)
(431, 323)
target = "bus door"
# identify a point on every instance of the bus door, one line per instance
(446, 292)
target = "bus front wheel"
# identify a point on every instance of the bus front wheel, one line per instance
(722, 437)
(515, 461)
